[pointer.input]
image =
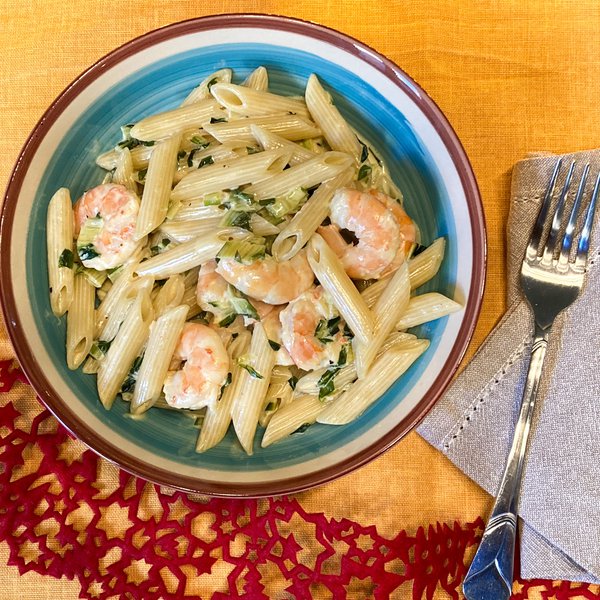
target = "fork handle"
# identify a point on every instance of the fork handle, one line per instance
(490, 575)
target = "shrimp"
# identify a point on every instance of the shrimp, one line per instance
(198, 383)
(305, 318)
(213, 295)
(385, 232)
(272, 325)
(105, 218)
(269, 280)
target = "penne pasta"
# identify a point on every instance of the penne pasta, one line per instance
(124, 170)
(306, 221)
(426, 307)
(202, 90)
(164, 335)
(125, 348)
(347, 299)
(306, 175)
(258, 80)
(388, 309)
(349, 405)
(309, 383)
(421, 268)
(254, 379)
(169, 296)
(218, 418)
(336, 131)
(176, 121)
(157, 188)
(181, 258)
(271, 141)
(230, 174)
(254, 103)
(59, 242)
(184, 231)
(302, 411)
(291, 127)
(80, 322)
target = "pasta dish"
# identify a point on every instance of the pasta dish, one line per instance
(248, 260)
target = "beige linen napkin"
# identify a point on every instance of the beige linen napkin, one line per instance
(473, 423)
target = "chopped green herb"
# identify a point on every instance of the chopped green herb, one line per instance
(343, 356)
(142, 174)
(99, 349)
(302, 428)
(129, 383)
(198, 140)
(364, 172)
(87, 252)
(249, 368)
(288, 203)
(266, 201)
(207, 160)
(236, 218)
(274, 345)
(237, 194)
(293, 380)
(154, 250)
(365, 152)
(243, 251)
(228, 320)
(66, 259)
(181, 154)
(226, 383)
(326, 382)
(322, 332)
(220, 120)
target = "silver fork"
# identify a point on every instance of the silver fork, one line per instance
(552, 276)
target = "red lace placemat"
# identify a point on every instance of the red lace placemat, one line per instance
(67, 513)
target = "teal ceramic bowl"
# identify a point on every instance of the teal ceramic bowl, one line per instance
(154, 73)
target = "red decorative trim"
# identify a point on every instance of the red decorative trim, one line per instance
(264, 547)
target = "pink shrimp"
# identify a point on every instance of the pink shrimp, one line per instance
(198, 383)
(267, 279)
(212, 294)
(110, 242)
(299, 323)
(385, 232)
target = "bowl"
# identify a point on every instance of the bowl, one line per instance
(155, 72)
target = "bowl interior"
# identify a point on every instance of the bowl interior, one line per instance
(169, 437)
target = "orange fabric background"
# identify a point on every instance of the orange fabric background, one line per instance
(512, 77)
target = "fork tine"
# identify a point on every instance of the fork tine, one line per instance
(538, 228)
(568, 237)
(552, 240)
(584, 240)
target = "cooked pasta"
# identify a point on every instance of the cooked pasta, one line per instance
(217, 268)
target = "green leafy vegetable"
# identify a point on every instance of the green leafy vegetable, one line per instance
(66, 259)
(129, 383)
(87, 252)
(207, 160)
(99, 349)
(245, 365)
(364, 172)
(236, 218)
(154, 250)
(302, 428)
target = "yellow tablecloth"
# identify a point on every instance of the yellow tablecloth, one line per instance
(512, 77)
